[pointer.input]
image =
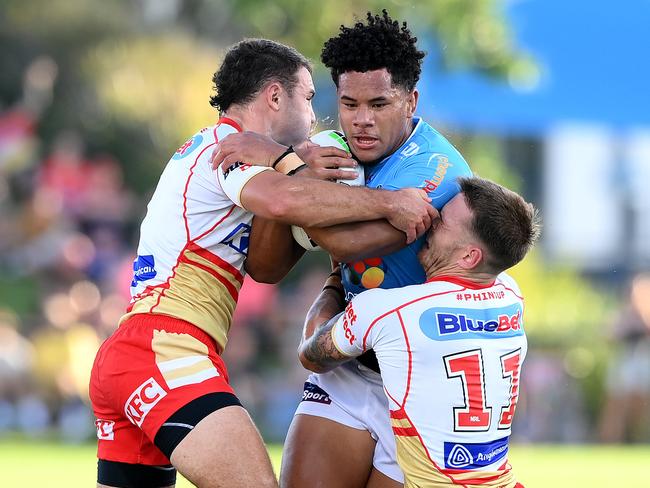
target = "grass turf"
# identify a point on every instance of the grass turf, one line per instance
(31, 463)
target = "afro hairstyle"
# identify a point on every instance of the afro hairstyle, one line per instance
(380, 43)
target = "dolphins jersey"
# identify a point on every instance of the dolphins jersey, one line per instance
(426, 160)
(450, 353)
(194, 239)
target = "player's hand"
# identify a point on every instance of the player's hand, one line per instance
(248, 147)
(325, 162)
(412, 212)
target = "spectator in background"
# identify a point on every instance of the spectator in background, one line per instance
(626, 415)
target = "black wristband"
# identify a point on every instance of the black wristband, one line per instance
(339, 290)
(295, 170)
(282, 156)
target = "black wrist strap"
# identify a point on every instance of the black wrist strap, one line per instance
(337, 289)
(295, 170)
(282, 156)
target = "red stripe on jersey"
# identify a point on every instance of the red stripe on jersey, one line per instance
(217, 224)
(216, 260)
(405, 431)
(398, 414)
(230, 122)
(187, 185)
(166, 284)
(391, 396)
(472, 285)
(224, 281)
(436, 467)
(410, 368)
(475, 481)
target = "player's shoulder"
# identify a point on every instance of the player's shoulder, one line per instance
(509, 283)
(372, 295)
(427, 144)
(378, 301)
(192, 147)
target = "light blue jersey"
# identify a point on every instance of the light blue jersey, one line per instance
(426, 160)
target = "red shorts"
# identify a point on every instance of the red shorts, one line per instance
(152, 366)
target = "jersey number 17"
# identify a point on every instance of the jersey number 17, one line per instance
(474, 415)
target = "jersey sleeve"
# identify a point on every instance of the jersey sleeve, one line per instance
(234, 179)
(350, 332)
(436, 173)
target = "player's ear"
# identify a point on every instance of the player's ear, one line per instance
(471, 258)
(413, 102)
(273, 95)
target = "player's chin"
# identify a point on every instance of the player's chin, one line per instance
(367, 156)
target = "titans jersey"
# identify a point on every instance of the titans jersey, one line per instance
(194, 239)
(426, 160)
(450, 353)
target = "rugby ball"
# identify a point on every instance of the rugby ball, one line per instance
(336, 139)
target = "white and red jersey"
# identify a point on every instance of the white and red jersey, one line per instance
(194, 239)
(450, 353)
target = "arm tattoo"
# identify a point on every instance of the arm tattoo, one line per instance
(320, 348)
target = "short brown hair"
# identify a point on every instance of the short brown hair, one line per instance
(502, 220)
(249, 65)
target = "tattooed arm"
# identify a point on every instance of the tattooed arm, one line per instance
(317, 350)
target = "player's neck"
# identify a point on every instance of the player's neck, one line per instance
(474, 276)
(248, 119)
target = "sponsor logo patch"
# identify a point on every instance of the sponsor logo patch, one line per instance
(442, 165)
(239, 238)
(314, 393)
(105, 429)
(349, 318)
(446, 324)
(144, 268)
(238, 165)
(142, 400)
(464, 455)
(188, 147)
(410, 150)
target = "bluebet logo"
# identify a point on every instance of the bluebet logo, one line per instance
(445, 324)
(144, 268)
(465, 455)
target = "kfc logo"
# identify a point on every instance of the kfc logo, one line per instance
(105, 429)
(142, 400)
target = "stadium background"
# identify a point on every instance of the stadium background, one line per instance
(547, 97)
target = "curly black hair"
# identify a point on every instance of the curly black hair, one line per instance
(249, 65)
(381, 43)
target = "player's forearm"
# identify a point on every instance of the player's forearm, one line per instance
(327, 305)
(353, 242)
(272, 251)
(308, 202)
(317, 351)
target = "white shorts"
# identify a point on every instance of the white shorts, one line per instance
(353, 395)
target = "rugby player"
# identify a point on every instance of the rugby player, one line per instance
(375, 66)
(450, 350)
(159, 388)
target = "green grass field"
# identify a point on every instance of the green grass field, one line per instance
(31, 464)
